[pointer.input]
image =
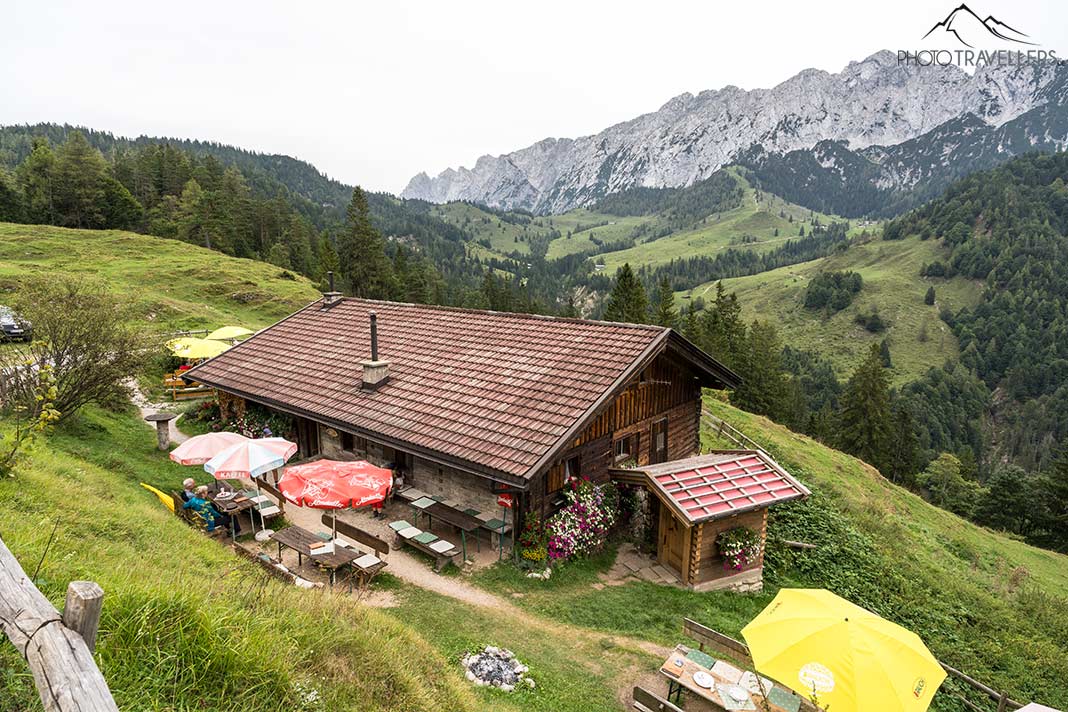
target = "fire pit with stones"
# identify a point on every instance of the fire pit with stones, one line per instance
(496, 667)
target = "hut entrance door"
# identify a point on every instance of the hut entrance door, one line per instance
(672, 533)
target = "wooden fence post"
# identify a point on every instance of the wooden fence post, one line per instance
(63, 668)
(81, 613)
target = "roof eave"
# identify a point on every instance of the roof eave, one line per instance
(468, 466)
(703, 362)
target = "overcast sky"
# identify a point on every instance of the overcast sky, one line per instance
(374, 92)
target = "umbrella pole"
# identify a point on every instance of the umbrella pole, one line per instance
(333, 535)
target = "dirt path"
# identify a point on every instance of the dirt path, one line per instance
(147, 409)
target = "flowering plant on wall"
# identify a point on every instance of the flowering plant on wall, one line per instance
(739, 547)
(532, 541)
(583, 525)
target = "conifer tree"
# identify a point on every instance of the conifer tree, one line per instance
(929, 298)
(666, 314)
(36, 178)
(627, 302)
(763, 388)
(79, 183)
(722, 330)
(865, 426)
(691, 327)
(10, 199)
(362, 252)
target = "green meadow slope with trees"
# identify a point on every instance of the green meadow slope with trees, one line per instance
(961, 300)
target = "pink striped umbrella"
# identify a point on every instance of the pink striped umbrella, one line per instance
(200, 448)
(251, 458)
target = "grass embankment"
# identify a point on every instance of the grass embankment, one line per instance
(174, 285)
(918, 338)
(984, 602)
(188, 625)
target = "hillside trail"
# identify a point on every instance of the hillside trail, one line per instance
(148, 408)
(417, 573)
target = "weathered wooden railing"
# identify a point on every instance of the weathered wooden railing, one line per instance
(58, 649)
(739, 651)
(728, 432)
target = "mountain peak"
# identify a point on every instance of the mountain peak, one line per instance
(873, 102)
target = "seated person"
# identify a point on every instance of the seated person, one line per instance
(199, 503)
(189, 485)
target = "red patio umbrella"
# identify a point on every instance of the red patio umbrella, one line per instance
(332, 484)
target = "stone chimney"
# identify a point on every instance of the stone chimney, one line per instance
(375, 372)
(332, 297)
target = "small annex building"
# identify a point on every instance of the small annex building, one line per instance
(702, 497)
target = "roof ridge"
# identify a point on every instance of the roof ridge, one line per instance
(517, 315)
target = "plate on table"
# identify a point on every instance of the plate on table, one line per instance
(703, 679)
(737, 693)
(224, 496)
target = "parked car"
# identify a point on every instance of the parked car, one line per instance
(13, 327)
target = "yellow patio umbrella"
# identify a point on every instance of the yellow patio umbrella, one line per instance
(165, 498)
(189, 347)
(843, 656)
(226, 333)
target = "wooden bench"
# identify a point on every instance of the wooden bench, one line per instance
(367, 567)
(425, 542)
(717, 641)
(267, 509)
(646, 701)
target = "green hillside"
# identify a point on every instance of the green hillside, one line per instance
(187, 625)
(761, 222)
(174, 284)
(983, 601)
(892, 284)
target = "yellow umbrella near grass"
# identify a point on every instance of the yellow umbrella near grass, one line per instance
(843, 657)
(226, 333)
(164, 498)
(193, 348)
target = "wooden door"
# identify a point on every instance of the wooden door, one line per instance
(658, 442)
(307, 437)
(672, 536)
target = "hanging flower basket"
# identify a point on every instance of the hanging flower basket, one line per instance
(739, 547)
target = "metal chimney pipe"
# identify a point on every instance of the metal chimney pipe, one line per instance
(330, 276)
(374, 336)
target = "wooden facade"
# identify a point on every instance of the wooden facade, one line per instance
(655, 418)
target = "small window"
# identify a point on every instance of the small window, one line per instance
(347, 441)
(626, 448)
(361, 444)
(573, 467)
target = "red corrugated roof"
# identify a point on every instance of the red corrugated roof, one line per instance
(720, 484)
(494, 389)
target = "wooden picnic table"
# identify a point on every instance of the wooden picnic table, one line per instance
(301, 541)
(684, 663)
(461, 520)
(231, 506)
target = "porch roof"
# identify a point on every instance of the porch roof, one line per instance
(722, 484)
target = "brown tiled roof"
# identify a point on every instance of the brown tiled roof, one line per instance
(495, 390)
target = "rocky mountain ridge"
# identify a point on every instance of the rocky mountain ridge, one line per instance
(867, 108)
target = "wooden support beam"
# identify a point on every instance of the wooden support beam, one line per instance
(63, 668)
